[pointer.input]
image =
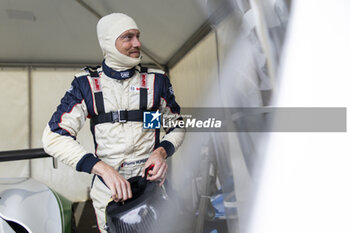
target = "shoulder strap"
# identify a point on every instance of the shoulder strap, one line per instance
(143, 88)
(144, 69)
(96, 88)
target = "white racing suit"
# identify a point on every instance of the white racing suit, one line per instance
(123, 145)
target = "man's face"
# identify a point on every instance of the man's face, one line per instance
(128, 43)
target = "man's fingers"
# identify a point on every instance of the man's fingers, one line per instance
(118, 185)
(119, 195)
(160, 172)
(156, 168)
(165, 171)
(114, 194)
(147, 164)
(163, 174)
(124, 191)
(129, 189)
(151, 171)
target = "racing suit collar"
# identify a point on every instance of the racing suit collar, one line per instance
(120, 75)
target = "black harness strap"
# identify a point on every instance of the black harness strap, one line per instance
(143, 69)
(97, 89)
(121, 116)
(143, 89)
(99, 102)
(143, 98)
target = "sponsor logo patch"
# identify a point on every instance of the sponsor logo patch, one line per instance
(125, 74)
(143, 80)
(133, 88)
(171, 90)
(97, 85)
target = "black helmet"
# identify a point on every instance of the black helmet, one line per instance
(140, 213)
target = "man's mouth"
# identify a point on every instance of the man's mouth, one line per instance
(135, 52)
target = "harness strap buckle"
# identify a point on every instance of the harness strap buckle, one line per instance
(119, 116)
(123, 115)
(115, 116)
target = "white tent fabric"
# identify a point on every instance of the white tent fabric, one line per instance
(197, 70)
(14, 118)
(48, 87)
(14, 96)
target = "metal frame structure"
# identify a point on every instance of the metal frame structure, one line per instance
(208, 26)
(14, 155)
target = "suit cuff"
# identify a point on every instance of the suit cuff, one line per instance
(168, 147)
(86, 163)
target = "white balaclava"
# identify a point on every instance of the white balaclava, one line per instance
(109, 28)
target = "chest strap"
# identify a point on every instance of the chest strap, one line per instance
(121, 116)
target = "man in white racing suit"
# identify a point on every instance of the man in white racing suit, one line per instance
(115, 98)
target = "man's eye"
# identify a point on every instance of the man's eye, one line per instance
(128, 37)
(125, 37)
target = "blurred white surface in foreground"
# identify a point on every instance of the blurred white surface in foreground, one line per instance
(305, 182)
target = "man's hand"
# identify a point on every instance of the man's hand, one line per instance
(119, 186)
(160, 166)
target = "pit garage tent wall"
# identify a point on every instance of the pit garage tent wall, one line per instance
(32, 95)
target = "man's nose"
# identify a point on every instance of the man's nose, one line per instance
(136, 42)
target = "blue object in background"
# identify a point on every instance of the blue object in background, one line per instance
(218, 204)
